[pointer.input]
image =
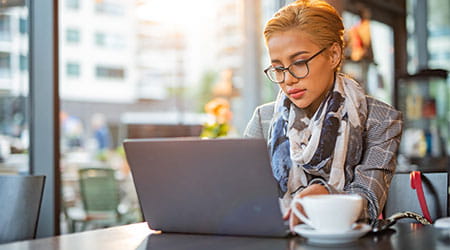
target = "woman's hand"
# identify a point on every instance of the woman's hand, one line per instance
(314, 189)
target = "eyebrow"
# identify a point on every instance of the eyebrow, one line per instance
(291, 56)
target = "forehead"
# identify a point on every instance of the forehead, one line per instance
(285, 43)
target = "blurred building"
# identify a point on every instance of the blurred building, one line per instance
(14, 80)
(160, 60)
(14, 51)
(118, 63)
(229, 36)
(97, 60)
(119, 57)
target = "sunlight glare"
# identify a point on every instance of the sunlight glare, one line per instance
(180, 13)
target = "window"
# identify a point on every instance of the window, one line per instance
(5, 65)
(23, 26)
(136, 58)
(72, 36)
(14, 88)
(428, 35)
(112, 41)
(5, 28)
(110, 72)
(100, 39)
(109, 7)
(23, 63)
(438, 24)
(73, 69)
(73, 4)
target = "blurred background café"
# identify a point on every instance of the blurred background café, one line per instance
(77, 77)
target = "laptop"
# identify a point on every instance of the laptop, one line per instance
(218, 186)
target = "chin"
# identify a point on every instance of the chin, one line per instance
(301, 105)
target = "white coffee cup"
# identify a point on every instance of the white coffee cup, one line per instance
(332, 213)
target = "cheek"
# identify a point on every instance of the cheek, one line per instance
(324, 65)
(283, 88)
(321, 74)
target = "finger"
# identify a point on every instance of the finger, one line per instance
(287, 214)
(313, 189)
(293, 221)
(300, 209)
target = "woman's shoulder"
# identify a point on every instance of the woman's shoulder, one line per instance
(265, 111)
(379, 113)
(380, 109)
(258, 125)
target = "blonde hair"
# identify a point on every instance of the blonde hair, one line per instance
(316, 18)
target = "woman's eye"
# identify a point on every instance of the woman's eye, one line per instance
(299, 63)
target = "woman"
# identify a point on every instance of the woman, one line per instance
(324, 134)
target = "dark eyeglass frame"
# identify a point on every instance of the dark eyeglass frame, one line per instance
(305, 61)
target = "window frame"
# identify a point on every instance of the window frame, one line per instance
(44, 100)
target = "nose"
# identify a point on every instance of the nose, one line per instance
(289, 79)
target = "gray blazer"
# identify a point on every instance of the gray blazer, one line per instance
(372, 176)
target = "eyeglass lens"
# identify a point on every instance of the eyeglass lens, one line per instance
(297, 69)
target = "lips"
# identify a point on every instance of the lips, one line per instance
(296, 93)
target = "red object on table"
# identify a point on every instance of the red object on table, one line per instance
(416, 183)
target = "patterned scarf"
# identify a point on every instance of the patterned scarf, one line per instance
(303, 148)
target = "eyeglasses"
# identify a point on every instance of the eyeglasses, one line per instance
(298, 69)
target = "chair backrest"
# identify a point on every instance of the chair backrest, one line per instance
(99, 189)
(403, 198)
(20, 201)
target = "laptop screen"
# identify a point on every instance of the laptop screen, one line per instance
(220, 186)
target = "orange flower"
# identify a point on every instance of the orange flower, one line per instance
(220, 109)
(224, 115)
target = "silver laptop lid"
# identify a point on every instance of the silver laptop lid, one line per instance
(220, 186)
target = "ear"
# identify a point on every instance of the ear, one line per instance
(335, 55)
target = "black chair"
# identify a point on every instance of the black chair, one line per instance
(403, 198)
(20, 201)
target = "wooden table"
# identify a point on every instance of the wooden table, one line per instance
(139, 236)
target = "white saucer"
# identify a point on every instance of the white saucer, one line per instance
(331, 238)
(442, 223)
